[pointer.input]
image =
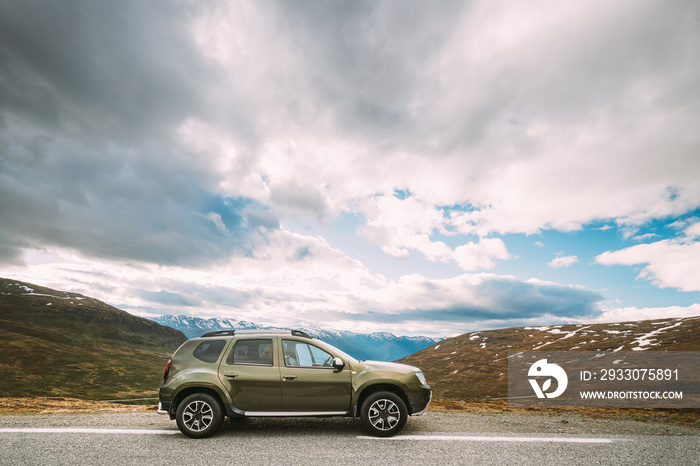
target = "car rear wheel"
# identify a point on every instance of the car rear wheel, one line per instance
(199, 415)
(384, 414)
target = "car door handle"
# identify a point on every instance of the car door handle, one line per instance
(231, 376)
(289, 377)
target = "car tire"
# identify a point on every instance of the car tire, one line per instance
(383, 414)
(199, 415)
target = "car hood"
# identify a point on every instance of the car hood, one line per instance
(390, 366)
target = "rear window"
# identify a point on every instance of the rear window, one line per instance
(209, 351)
(255, 352)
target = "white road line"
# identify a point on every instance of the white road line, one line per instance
(84, 430)
(474, 438)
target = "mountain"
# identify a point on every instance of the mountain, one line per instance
(55, 343)
(475, 365)
(378, 346)
(381, 346)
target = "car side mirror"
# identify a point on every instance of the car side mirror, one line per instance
(338, 364)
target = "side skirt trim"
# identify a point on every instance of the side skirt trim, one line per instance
(233, 411)
(294, 413)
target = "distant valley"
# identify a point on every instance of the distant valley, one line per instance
(382, 346)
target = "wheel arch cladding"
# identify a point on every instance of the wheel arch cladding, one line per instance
(383, 387)
(192, 390)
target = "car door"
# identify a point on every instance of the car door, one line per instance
(310, 383)
(251, 375)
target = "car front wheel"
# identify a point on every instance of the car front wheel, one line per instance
(199, 415)
(384, 414)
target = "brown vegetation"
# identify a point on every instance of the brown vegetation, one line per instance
(56, 405)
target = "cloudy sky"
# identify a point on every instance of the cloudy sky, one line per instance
(403, 166)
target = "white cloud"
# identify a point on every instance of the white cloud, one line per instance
(290, 270)
(473, 111)
(481, 256)
(693, 231)
(608, 315)
(300, 281)
(474, 106)
(645, 237)
(399, 225)
(468, 301)
(497, 117)
(627, 314)
(217, 221)
(668, 263)
(564, 261)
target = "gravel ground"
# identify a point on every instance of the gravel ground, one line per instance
(507, 422)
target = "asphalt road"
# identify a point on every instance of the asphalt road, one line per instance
(434, 439)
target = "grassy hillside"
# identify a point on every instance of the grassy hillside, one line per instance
(475, 365)
(54, 343)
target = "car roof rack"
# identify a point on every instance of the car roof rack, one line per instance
(299, 333)
(230, 333)
(219, 333)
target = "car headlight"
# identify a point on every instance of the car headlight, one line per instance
(421, 378)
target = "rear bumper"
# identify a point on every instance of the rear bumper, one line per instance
(164, 407)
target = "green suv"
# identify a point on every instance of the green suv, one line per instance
(284, 373)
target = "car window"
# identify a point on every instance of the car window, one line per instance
(256, 352)
(300, 354)
(209, 351)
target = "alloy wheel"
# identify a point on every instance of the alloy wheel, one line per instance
(198, 415)
(384, 414)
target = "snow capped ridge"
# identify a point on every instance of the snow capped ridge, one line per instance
(196, 326)
(380, 346)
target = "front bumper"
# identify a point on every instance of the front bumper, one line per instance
(420, 406)
(424, 407)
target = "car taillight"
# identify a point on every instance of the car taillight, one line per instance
(167, 370)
